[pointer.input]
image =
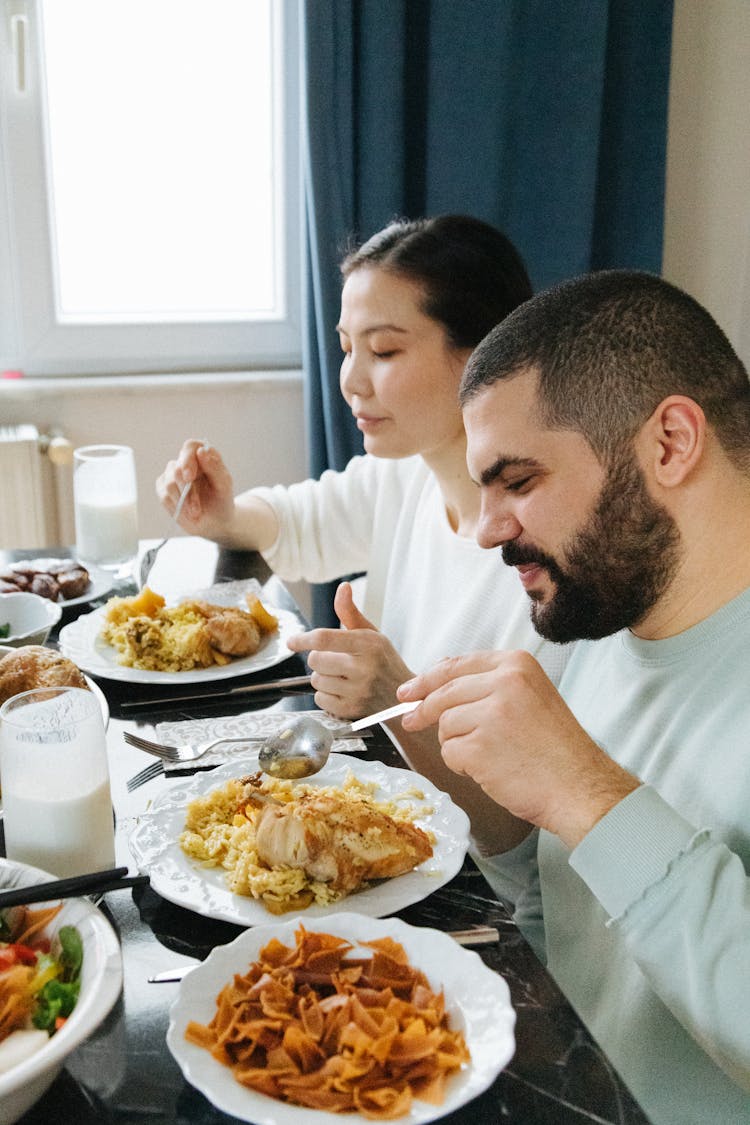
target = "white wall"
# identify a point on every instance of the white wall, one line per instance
(256, 420)
(707, 214)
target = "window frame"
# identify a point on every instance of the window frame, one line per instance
(32, 339)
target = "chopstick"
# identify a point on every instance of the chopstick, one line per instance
(93, 882)
(230, 693)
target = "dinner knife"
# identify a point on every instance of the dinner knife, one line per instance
(479, 935)
(232, 692)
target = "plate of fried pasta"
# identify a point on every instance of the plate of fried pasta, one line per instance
(377, 1019)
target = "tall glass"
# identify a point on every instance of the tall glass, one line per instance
(105, 500)
(57, 805)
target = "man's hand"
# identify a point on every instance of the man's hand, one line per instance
(502, 722)
(356, 670)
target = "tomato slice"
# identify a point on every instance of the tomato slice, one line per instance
(16, 953)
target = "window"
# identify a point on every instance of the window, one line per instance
(150, 207)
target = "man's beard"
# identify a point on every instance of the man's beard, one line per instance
(615, 568)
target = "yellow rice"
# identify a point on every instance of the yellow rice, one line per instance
(216, 835)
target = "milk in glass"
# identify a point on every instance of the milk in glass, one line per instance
(105, 504)
(56, 795)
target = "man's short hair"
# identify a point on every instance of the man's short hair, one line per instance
(608, 348)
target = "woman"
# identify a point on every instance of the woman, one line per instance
(417, 298)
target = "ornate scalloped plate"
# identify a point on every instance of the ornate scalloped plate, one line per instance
(477, 999)
(154, 844)
(81, 642)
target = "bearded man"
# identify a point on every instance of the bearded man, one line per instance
(608, 425)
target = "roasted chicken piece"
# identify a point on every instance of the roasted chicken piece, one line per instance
(230, 630)
(339, 841)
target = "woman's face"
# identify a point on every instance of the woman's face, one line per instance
(399, 373)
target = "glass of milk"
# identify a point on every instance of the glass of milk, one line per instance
(57, 805)
(105, 501)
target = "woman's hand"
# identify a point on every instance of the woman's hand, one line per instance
(209, 506)
(356, 670)
(502, 722)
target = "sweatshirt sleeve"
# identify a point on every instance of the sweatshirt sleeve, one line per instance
(681, 900)
(514, 876)
(326, 525)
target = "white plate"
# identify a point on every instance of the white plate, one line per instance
(179, 879)
(100, 581)
(81, 642)
(477, 1000)
(101, 697)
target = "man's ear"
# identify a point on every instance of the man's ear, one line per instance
(673, 440)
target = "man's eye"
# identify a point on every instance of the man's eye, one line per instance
(518, 485)
(385, 354)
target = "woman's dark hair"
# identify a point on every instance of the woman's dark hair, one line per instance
(472, 276)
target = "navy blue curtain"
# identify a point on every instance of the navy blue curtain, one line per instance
(545, 117)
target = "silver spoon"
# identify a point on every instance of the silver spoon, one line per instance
(302, 746)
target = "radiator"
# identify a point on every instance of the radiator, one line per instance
(29, 515)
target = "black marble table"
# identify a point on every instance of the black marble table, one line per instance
(125, 1074)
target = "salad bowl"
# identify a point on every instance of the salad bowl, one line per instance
(101, 981)
(26, 619)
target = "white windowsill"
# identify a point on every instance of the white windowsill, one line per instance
(29, 387)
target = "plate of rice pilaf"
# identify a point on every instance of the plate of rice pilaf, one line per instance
(83, 642)
(198, 884)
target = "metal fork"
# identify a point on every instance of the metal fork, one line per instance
(190, 753)
(148, 773)
(149, 557)
(185, 753)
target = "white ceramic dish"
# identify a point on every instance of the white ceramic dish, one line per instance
(100, 582)
(29, 617)
(154, 844)
(81, 642)
(101, 981)
(477, 1000)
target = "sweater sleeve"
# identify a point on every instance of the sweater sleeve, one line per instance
(325, 526)
(514, 876)
(681, 900)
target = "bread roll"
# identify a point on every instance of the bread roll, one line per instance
(33, 666)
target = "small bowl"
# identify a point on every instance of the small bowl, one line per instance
(30, 618)
(101, 983)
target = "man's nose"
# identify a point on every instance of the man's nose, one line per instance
(496, 525)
